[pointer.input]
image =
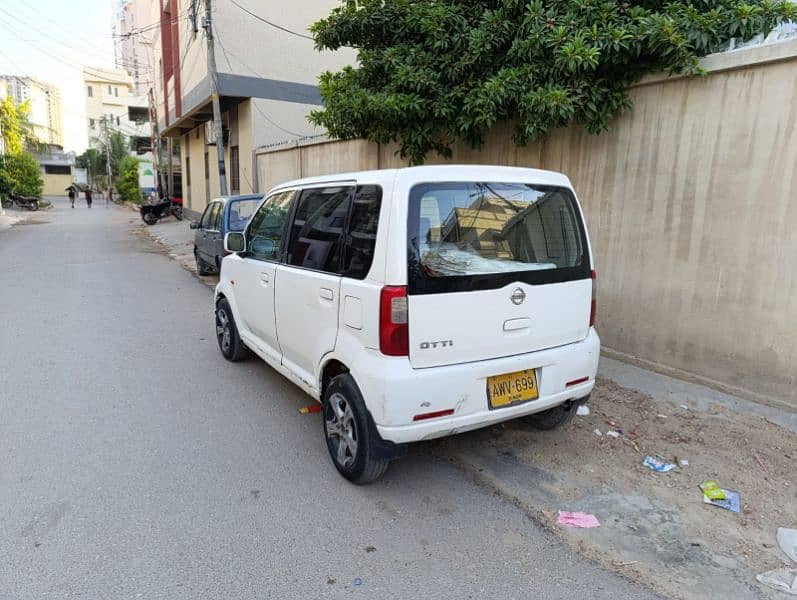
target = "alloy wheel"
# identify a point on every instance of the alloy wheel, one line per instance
(341, 428)
(223, 330)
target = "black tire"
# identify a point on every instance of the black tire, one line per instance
(178, 213)
(231, 346)
(351, 420)
(149, 218)
(553, 417)
(202, 267)
(33, 206)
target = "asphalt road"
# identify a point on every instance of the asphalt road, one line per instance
(136, 463)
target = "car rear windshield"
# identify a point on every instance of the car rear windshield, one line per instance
(469, 236)
(240, 211)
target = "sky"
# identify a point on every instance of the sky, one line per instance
(52, 40)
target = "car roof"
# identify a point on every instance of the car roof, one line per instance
(439, 173)
(237, 197)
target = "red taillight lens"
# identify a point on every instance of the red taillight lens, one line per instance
(594, 304)
(394, 330)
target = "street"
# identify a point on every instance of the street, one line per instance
(137, 463)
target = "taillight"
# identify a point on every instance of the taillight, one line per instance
(594, 304)
(394, 330)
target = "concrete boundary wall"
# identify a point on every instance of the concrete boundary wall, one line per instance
(691, 202)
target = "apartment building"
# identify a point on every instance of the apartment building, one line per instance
(112, 104)
(267, 78)
(136, 25)
(45, 105)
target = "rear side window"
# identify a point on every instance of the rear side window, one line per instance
(470, 236)
(207, 216)
(215, 216)
(361, 232)
(267, 229)
(317, 229)
(239, 213)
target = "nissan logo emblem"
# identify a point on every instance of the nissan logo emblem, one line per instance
(518, 296)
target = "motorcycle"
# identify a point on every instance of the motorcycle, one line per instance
(25, 202)
(153, 212)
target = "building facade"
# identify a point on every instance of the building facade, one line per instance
(135, 27)
(45, 105)
(112, 105)
(267, 78)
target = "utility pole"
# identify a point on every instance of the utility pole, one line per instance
(218, 132)
(107, 136)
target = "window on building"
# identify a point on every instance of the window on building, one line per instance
(90, 91)
(91, 123)
(117, 121)
(109, 90)
(188, 171)
(116, 91)
(235, 170)
(57, 169)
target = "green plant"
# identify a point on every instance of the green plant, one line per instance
(20, 173)
(94, 161)
(16, 127)
(127, 183)
(434, 72)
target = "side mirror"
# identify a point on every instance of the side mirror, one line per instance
(234, 241)
(194, 225)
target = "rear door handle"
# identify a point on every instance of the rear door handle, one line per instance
(515, 324)
(326, 294)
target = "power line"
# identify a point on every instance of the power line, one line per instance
(274, 25)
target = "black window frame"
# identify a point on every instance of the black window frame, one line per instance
(90, 91)
(300, 193)
(418, 283)
(208, 210)
(235, 170)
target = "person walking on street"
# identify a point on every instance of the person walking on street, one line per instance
(88, 196)
(72, 196)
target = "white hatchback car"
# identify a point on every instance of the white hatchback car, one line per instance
(416, 303)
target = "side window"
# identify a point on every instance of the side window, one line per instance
(216, 216)
(267, 228)
(204, 223)
(317, 229)
(361, 233)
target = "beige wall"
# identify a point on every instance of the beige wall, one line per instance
(690, 201)
(55, 185)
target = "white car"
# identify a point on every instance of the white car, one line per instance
(416, 303)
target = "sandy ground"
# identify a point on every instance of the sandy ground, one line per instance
(654, 526)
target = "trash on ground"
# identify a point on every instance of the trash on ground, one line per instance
(760, 462)
(612, 423)
(358, 581)
(625, 564)
(577, 519)
(598, 432)
(657, 465)
(712, 490)
(660, 416)
(582, 410)
(684, 406)
(612, 434)
(315, 408)
(683, 462)
(787, 540)
(783, 579)
(731, 502)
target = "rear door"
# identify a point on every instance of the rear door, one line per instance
(308, 284)
(208, 230)
(494, 269)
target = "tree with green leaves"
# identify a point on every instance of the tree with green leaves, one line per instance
(434, 72)
(20, 174)
(16, 127)
(127, 183)
(95, 163)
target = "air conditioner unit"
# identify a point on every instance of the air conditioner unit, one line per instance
(210, 136)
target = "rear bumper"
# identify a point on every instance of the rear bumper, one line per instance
(395, 392)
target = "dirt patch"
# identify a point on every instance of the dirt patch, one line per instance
(654, 526)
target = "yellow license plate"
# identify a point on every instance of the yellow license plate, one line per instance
(512, 388)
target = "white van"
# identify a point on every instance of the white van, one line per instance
(416, 303)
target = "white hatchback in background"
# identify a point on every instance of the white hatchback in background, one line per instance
(417, 303)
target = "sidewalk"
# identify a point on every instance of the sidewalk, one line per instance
(655, 527)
